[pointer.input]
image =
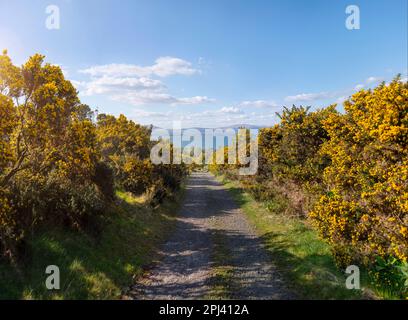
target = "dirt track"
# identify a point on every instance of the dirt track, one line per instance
(212, 234)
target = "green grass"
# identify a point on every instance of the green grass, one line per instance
(93, 267)
(221, 282)
(304, 260)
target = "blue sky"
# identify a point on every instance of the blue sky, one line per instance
(215, 62)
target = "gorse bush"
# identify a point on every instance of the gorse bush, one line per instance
(290, 149)
(48, 154)
(125, 147)
(56, 165)
(168, 178)
(346, 171)
(366, 207)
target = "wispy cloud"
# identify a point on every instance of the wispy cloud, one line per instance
(231, 110)
(193, 100)
(136, 85)
(221, 117)
(372, 80)
(308, 97)
(368, 82)
(259, 104)
(339, 96)
(359, 87)
(150, 114)
(145, 97)
(108, 84)
(163, 67)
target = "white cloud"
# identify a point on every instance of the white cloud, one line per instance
(308, 97)
(138, 113)
(224, 117)
(167, 66)
(369, 81)
(193, 100)
(136, 85)
(232, 110)
(372, 80)
(339, 96)
(138, 98)
(259, 104)
(156, 97)
(224, 111)
(341, 99)
(107, 84)
(163, 67)
(78, 84)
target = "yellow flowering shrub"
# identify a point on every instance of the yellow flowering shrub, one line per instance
(125, 146)
(366, 209)
(7, 120)
(59, 167)
(348, 171)
(290, 149)
(48, 153)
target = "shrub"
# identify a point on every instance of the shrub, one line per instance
(349, 171)
(368, 175)
(125, 147)
(390, 275)
(104, 179)
(291, 149)
(49, 156)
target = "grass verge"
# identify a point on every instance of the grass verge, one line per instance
(93, 267)
(221, 282)
(304, 260)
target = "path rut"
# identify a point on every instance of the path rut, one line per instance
(210, 221)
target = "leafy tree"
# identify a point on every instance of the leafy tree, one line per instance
(125, 146)
(49, 152)
(365, 212)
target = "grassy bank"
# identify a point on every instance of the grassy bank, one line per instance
(93, 267)
(304, 260)
(222, 282)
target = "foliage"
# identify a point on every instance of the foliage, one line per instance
(290, 148)
(93, 268)
(367, 204)
(48, 156)
(390, 276)
(58, 167)
(303, 259)
(125, 147)
(348, 172)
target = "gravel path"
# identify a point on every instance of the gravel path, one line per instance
(210, 221)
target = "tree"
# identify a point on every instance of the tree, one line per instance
(49, 155)
(365, 213)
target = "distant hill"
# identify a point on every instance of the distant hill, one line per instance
(247, 126)
(235, 127)
(216, 144)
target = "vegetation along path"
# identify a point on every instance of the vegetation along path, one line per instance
(213, 253)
